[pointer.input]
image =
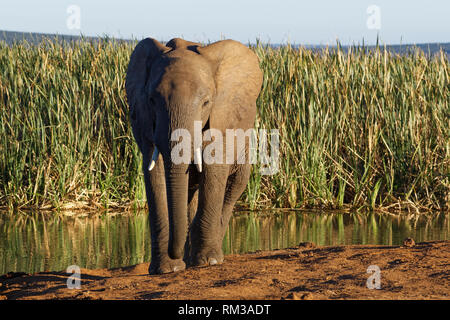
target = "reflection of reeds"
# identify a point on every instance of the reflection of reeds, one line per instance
(37, 243)
(358, 128)
(40, 242)
(330, 228)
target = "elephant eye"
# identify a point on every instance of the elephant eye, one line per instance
(205, 103)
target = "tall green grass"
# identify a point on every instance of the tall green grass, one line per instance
(357, 128)
(64, 127)
(360, 128)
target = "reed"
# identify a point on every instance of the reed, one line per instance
(358, 128)
(362, 128)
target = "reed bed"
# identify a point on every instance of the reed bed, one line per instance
(358, 128)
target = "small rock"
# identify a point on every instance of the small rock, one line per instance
(293, 296)
(306, 244)
(307, 296)
(330, 292)
(409, 242)
(299, 296)
(276, 281)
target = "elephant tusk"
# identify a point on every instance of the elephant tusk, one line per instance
(154, 159)
(198, 159)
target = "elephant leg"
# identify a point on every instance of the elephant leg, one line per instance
(206, 227)
(236, 184)
(155, 187)
(192, 210)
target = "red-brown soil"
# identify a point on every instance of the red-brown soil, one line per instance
(421, 271)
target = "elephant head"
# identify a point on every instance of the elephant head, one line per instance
(172, 86)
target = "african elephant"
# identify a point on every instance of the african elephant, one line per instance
(171, 87)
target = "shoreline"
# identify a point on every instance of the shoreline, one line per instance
(83, 208)
(305, 272)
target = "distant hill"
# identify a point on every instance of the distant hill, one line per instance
(11, 37)
(32, 37)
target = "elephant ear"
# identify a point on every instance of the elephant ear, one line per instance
(238, 80)
(138, 73)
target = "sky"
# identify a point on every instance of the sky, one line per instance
(316, 22)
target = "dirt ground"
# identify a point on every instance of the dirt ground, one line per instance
(420, 271)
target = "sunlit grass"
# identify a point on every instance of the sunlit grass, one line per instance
(357, 129)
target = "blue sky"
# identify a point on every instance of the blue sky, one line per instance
(275, 21)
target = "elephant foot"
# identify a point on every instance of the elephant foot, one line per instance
(207, 258)
(166, 265)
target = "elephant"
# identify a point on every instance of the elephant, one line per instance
(173, 86)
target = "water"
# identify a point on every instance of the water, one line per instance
(49, 242)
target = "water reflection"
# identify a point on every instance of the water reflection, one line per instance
(46, 243)
(271, 231)
(38, 242)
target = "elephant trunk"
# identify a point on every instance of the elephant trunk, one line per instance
(177, 182)
(177, 199)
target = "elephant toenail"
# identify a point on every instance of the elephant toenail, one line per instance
(212, 261)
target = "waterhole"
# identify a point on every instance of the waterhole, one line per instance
(47, 242)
